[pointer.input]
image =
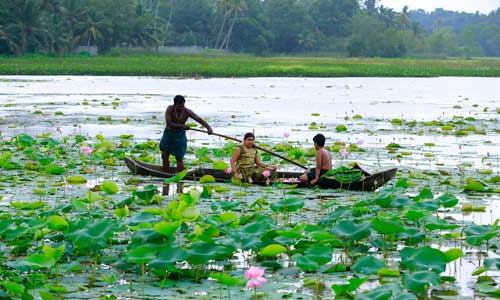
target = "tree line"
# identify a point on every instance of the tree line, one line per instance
(340, 27)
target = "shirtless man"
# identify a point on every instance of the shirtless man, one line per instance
(323, 161)
(174, 140)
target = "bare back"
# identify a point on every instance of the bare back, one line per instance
(323, 159)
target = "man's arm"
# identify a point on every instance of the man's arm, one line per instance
(200, 120)
(170, 123)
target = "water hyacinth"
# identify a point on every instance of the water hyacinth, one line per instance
(86, 150)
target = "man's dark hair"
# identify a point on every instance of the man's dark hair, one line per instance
(179, 99)
(319, 139)
(249, 135)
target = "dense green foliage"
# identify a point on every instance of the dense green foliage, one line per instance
(356, 28)
(247, 66)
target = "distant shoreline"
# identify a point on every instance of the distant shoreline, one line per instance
(223, 66)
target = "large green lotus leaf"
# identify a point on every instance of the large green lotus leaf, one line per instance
(177, 177)
(76, 180)
(93, 235)
(430, 205)
(226, 279)
(413, 236)
(305, 263)
(352, 231)
(319, 254)
(453, 254)
(27, 205)
(347, 289)
(419, 282)
(425, 193)
(340, 212)
(147, 193)
(54, 169)
(38, 261)
(367, 265)
(56, 222)
(272, 250)
(425, 258)
(167, 228)
(140, 255)
(168, 257)
(492, 261)
(200, 253)
(55, 253)
(109, 187)
(387, 226)
(476, 234)
(434, 223)
(13, 288)
(448, 200)
(191, 213)
(379, 293)
(287, 205)
(400, 202)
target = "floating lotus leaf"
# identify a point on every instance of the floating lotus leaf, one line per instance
(367, 265)
(387, 226)
(425, 258)
(352, 231)
(419, 282)
(476, 234)
(140, 255)
(287, 205)
(272, 250)
(109, 187)
(38, 261)
(168, 257)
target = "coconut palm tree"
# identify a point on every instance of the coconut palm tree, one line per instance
(24, 29)
(229, 8)
(91, 31)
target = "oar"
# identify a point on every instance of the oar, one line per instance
(260, 148)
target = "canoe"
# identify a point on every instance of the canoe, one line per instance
(368, 182)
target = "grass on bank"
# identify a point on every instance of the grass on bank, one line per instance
(246, 66)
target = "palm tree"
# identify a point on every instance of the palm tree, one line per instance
(74, 11)
(25, 30)
(91, 31)
(142, 33)
(229, 7)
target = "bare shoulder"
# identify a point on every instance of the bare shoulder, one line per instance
(169, 108)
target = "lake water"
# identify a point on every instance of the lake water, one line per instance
(272, 106)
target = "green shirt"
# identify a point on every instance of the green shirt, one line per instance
(246, 158)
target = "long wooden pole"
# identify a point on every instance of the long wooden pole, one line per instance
(260, 148)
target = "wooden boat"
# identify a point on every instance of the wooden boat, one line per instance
(368, 182)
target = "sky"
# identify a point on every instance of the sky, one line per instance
(483, 6)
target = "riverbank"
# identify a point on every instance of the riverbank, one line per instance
(247, 66)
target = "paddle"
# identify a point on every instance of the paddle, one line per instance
(263, 149)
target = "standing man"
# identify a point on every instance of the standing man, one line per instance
(174, 140)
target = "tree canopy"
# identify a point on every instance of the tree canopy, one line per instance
(341, 27)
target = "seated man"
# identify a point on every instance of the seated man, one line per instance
(323, 161)
(246, 165)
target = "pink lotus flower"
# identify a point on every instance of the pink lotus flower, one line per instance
(266, 173)
(227, 171)
(344, 152)
(255, 276)
(360, 142)
(86, 150)
(58, 129)
(286, 134)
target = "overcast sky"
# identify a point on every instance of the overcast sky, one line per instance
(484, 6)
